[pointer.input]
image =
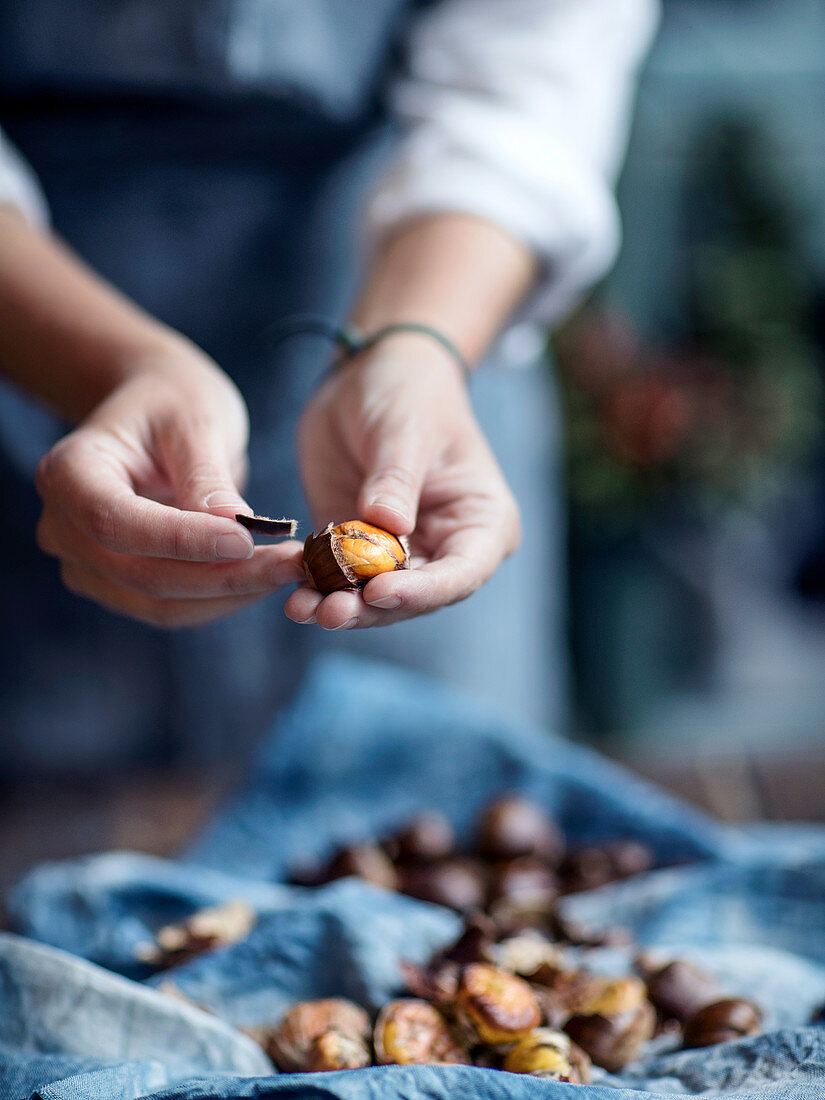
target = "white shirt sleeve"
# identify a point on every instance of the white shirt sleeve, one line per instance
(518, 111)
(19, 186)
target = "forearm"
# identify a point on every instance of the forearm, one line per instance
(66, 337)
(456, 272)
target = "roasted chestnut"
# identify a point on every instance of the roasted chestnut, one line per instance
(457, 883)
(527, 954)
(365, 861)
(348, 555)
(551, 1054)
(205, 930)
(332, 1050)
(426, 838)
(291, 1042)
(495, 1006)
(722, 1021)
(679, 989)
(514, 826)
(613, 1041)
(413, 1032)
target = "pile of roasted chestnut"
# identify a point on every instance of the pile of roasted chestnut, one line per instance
(503, 995)
(512, 1004)
(511, 992)
(517, 867)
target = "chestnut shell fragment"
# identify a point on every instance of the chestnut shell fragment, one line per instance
(272, 528)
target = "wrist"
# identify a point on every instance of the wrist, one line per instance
(415, 346)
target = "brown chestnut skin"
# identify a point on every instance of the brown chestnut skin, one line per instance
(349, 554)
(426, 838)
(679, 989)
(723, 1021)
(291, 1041)
(612, 1042)
(413, 1032)
(495, 1006)
(514, 826)
(457, 883)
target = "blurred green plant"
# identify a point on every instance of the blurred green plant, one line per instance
(729, 408)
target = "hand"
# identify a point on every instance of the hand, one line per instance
(138, 502)
(391, 439)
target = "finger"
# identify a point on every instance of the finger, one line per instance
(94, 491)
(302, 604)
(340, 611)
(201, 471)
(169, 614)
(467, 560)
(270, 568)
(395, 471)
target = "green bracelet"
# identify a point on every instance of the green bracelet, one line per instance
(352, 341)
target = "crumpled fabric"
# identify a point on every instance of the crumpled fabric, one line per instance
(362, 747)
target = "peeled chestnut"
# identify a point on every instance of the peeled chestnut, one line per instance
(494, 1006)
(549, 1053)
(292, 1041)
(514, 826)
(413, 1032)
(457, 883)
(332, 1051)
(348, 555)
(679, 989)
(722, 1021)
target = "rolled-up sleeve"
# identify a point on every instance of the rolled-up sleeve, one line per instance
(517, 111)
(19, 186)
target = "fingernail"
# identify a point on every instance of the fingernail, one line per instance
(222, 498)
(348, 625)
(305, 622)
(391, 503)
(233, 547)
(287, 573)
(388, 602)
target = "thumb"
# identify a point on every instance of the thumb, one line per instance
(393, 480)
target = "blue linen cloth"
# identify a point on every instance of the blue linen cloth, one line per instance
(360, 748)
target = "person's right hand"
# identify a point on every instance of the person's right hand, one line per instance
(139, 500)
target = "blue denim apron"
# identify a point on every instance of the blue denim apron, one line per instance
(209, 157)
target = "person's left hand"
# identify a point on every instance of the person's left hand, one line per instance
(391, 438)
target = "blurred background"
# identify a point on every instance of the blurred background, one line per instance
(693, 392)
(693, 395)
